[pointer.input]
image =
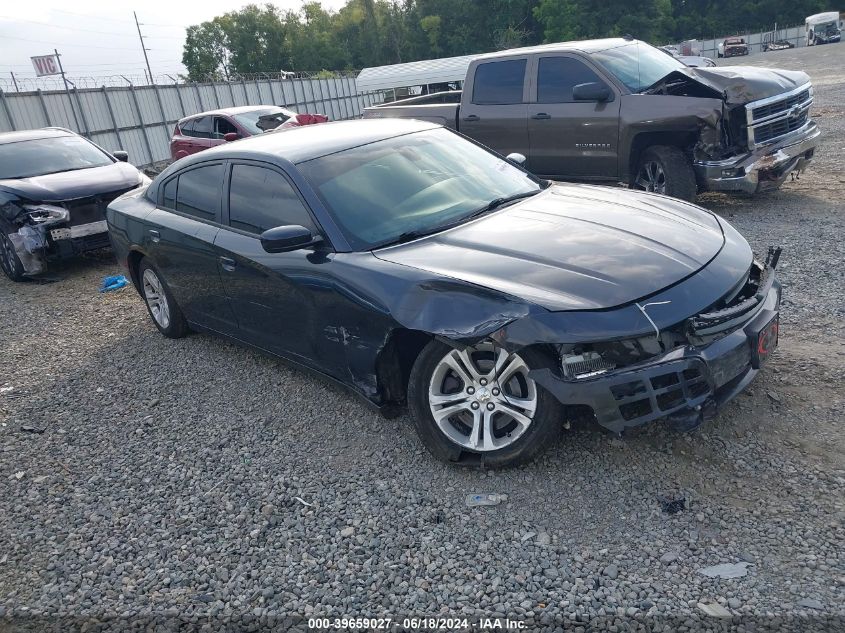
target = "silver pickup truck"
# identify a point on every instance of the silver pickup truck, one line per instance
(619, 110)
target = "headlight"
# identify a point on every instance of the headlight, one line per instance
(46, 213)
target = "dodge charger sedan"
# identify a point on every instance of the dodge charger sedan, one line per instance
(416, 267)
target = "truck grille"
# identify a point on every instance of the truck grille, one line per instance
(769, 119)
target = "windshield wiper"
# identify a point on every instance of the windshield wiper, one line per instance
(499, 202)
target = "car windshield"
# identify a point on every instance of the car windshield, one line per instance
(412, 184)
(637, 65)
(258, 121)
(37, 157)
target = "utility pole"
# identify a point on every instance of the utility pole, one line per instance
(143, 48)
(14, 81)
(67, 90)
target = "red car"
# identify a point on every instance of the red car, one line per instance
(207, 129)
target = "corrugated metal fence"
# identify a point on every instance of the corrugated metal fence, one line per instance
(140, 119)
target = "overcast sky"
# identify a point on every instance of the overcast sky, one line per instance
(97, 38)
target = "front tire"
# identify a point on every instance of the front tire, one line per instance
(9, 260)
(478, 405)
(666, 170)
(163, 309)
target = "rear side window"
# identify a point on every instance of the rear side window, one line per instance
(557, 76)
(499, 83)
(169, 194)
(202, 127)
(261, 199)
(198, 192)
(187, 128)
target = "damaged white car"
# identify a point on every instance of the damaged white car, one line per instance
(54, 189)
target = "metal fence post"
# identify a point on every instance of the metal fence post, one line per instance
(81, 112)
(179, 96)
(216, 96)
(142, 124)
(7, 110)
(44, 107)
(199, 97)
(113, 119)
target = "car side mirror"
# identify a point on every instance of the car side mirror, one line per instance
(516, 158)
(282, 239)
(231, 136)
(121, 156)
(593, 91)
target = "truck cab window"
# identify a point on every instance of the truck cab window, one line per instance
(499, 83)
(557, 76)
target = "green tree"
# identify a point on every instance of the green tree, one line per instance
(206, 51)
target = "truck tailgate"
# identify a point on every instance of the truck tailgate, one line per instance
(445, 114)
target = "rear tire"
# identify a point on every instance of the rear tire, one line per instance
(163, 309)
(495, 416)
(666, 170)
(9, 260)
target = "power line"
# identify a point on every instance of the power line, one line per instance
(121, 21)
(76, 28)
(105, 48)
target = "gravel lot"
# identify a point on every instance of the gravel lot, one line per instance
(198, 480)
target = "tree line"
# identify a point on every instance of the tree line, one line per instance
(375, 32)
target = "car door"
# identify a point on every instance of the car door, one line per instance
(180, 242)
(202, 132)
(570, 138)
(272, 294)
(494, 109)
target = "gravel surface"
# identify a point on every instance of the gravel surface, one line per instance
(147, 479)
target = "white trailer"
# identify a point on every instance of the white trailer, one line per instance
(823, 28)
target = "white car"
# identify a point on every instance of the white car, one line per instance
(690, 60)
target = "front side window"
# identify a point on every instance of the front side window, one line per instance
(415, 183)
(557, 76)
(198, 192)
(499, 83)
(637, 65)
(261, 199)
(24, 159)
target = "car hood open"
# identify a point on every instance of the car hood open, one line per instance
(79, 183)
(743, 84)
(573, 247)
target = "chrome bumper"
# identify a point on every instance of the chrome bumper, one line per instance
(764, 168)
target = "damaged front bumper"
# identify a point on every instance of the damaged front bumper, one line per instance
(35, 244)
(764, 168)
(687, 384)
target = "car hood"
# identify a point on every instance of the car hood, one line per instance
(573, 247)
(744, 84)
(80, 183)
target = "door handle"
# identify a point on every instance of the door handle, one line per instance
(471, 117)
(541, 115)
(228, 263)
(155, 236)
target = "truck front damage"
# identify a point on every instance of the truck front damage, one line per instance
(758, 129)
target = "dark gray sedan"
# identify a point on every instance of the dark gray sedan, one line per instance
(416, 267)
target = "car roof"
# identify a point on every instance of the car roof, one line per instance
(235, 110)
(311, 141)
(584, 46)
(32, 135)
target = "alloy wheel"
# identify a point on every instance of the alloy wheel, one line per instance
(651, 178)
(156, 298)
(482, 398)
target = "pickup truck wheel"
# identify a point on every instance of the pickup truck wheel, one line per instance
(666, 170)
(164, 311)
(477, 405)
(9, 260)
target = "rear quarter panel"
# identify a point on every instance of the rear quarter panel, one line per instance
(125, 218)
(445, 114)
